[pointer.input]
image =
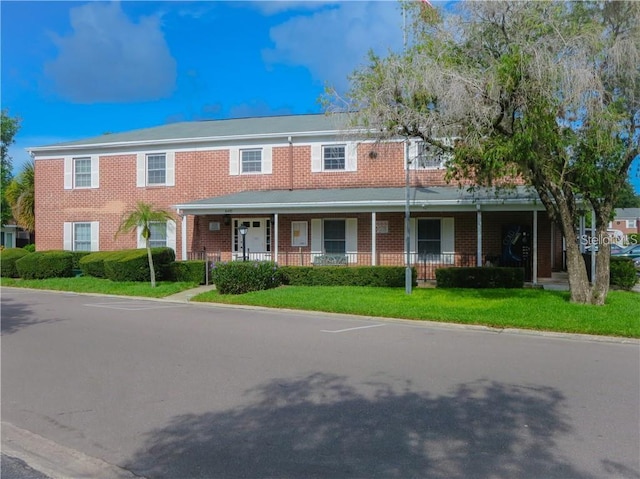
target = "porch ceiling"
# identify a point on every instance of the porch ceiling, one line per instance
(365, 200)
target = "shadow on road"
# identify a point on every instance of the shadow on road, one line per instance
(321, 426)
(17, 316)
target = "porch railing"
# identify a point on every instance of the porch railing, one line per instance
(425, 265)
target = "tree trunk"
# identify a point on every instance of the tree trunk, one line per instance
(152, 270)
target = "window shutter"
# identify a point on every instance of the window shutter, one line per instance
(413, 239)
(234, 161)
(171, 234)
(351, 245)
(141, 241)
(170, 166)
(68, 173)
(141, 170)
(95, 236)
(67, 243)
(412, 161)
(352, 157)
(447, 235)
(316, 236)
(95, 171)
(267, 160)
(316, 157)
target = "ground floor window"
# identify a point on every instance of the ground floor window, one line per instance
(82, 237)
(429, 237)
(335, 241)
(158, 236)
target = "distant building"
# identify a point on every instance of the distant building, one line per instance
(627, 220)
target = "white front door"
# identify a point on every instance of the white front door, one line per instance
(256, 239)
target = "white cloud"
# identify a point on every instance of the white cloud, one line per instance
(333, 42)
(109, 58)
(272, 7)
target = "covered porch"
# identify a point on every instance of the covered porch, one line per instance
(446, 226)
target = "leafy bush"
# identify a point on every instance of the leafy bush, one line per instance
(382, 276)
(192, 271)
(480, 277)
(239, 277)
(8, 258)
(46, 264)
(93, 263)
(622, 273)
(31, 248)
(133, 265)
(77, 256)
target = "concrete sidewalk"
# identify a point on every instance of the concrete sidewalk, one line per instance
(187, 294)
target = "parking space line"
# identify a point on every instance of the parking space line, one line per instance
(353, 329)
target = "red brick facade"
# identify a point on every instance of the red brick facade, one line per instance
(205, 172)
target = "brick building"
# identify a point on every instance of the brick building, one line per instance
(306, 191)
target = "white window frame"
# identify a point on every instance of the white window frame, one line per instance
(70, 172)
(246, 162)
(86, 175)
(69, 235)
(325, 158)
(631, 223)
(142, 168)
(351, 232)
(170, 235)
(235, 160)
(447, 238)
(421, 155)
(318, 157)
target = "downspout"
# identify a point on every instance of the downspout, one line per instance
(290, 140)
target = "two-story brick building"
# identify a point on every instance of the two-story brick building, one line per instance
(307, 191)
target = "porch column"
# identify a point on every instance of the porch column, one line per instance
(274, 246)
(184, 237)
(479, 234)
(534, 272)
(373, 238)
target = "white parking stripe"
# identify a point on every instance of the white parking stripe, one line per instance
(353, 329)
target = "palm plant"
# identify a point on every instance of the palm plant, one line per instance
(21, 197)
(141, 217)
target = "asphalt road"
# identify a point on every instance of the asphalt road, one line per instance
(175, 390)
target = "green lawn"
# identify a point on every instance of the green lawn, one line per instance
(87, 284)
(534, 309)
(501, 308)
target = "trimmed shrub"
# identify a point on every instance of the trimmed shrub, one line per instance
(133, 265)
(622, 273)
(239, 277)
(381, 276)
(192, 271)
(46, 264)
(77, 256)
(31, 248)
(480, 277)
(93, 263)
(8, 258)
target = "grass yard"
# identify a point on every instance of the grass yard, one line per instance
(500, 308)
(87, 284)
(534, 309)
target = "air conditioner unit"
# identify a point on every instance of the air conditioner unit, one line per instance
(214, 226)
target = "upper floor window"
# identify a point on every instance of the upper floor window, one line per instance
(156, 169)
(251, 160)
(631, 223)
(333, 157)
(82, 172)
(428, 157)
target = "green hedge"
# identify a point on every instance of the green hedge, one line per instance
(480, 277)
(192, 271)
(93, 263)
(133, 265)
(46, 264)
(8, 258)
(622, 273)
(239, 277)
(382, 276)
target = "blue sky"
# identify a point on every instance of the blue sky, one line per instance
(78, 69)
(73, 70)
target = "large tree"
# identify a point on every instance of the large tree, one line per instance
(141, 219)
(8, 128)
(21, 197)
(540, 92)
